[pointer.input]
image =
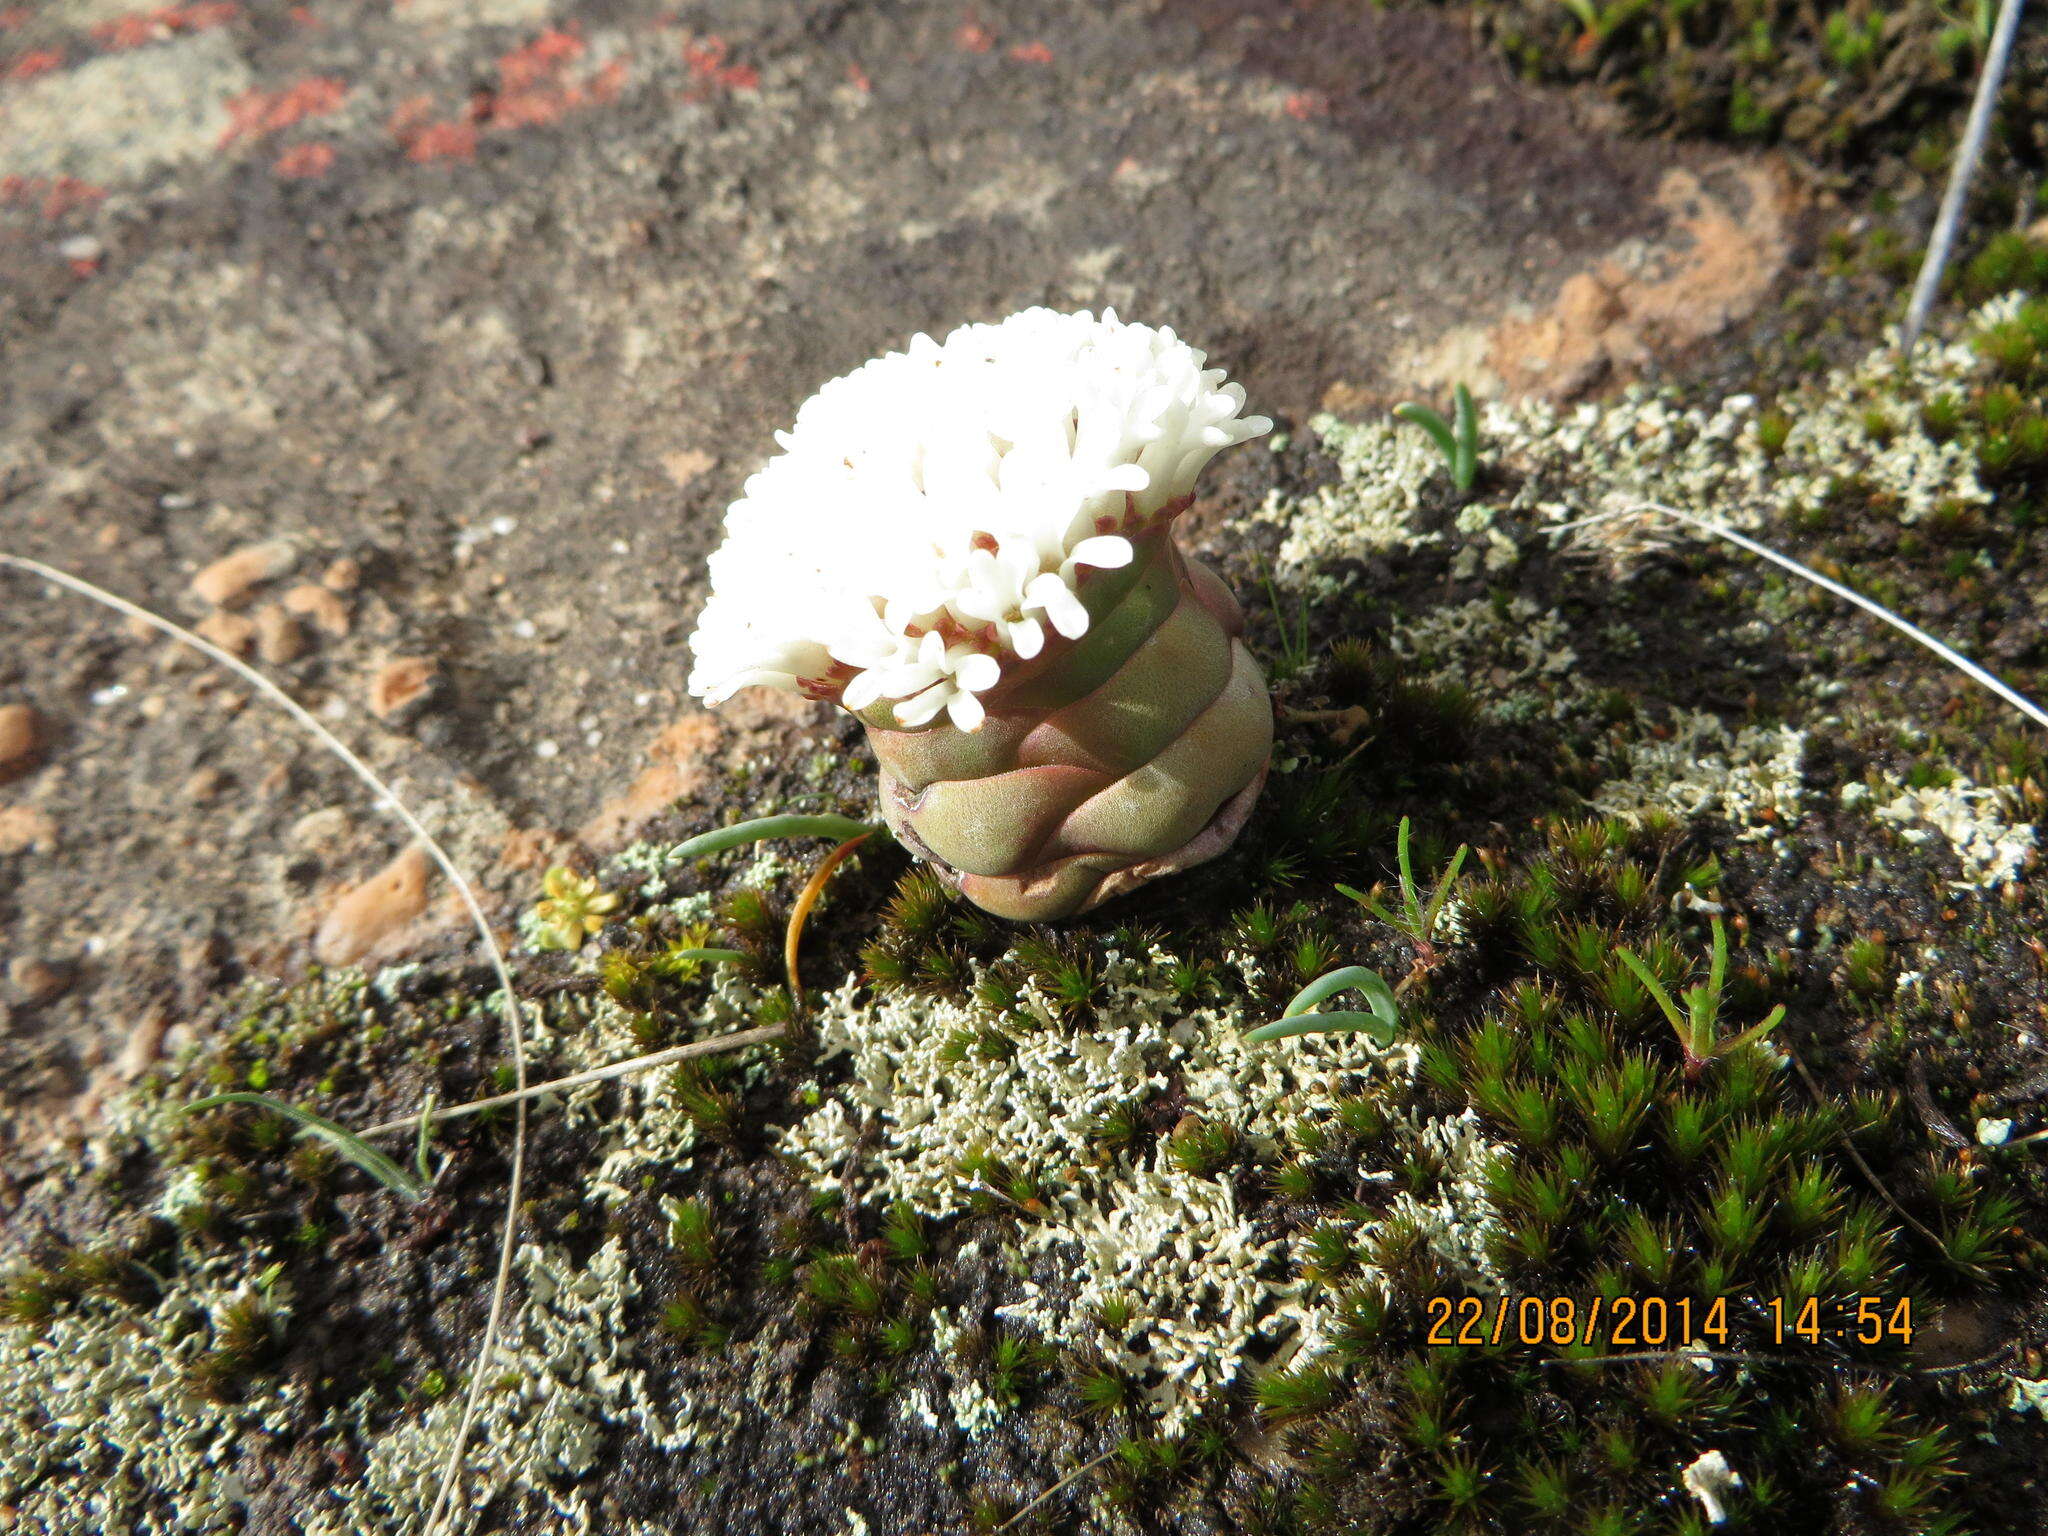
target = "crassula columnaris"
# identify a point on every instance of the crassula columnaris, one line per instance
(969, 545)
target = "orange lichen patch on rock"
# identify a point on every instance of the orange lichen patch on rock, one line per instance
(680, 759)
(57, 197)
(15, 16)
(1031, 53)
(141, 27)
(423, 139)
(533, 848)
(229, 580)
(442, 141)
(973, 37)
(859, 77)
(706, 61)
(38, 61)
(255, 113)
(304, 162)
(367, 917)
(1303, 105)
(1644, 299)
(535, 88)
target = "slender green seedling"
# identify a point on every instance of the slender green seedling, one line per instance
(1382, 1020)
(1698, 1023)
(1458, 438)
(1417, 918)
(347, 1143)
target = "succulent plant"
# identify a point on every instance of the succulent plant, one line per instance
(969, 546)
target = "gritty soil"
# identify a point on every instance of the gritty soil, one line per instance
(500, 304)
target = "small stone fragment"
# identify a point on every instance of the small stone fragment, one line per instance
(328, 612)
(280, 639)
(342, 575)
(230, 631)
(24, 828)
(228, 582)
(21, 740)
(369, 913)
(204, 784)
(36, 980)
(401, 687)
(145, 1043)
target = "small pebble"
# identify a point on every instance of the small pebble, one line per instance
(280, 639)
(21, 739)
(327, 611)
(228, 582)
(369, 913)
(230, 631)
(402, 686)
(37, 980)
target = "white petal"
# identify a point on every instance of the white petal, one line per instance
(925, 706)
(865, 688)
(977, 672)
(1107, 551)
(966, 712)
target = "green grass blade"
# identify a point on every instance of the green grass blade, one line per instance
(1371, 904)
(1383, 1022)
(1410, 904)
(1327, 1024)
(713, 955)
(1671, 1010)
(722, 838)
(1755, 1032)
(1442, 893)
(420, 1143)
(363, 1155)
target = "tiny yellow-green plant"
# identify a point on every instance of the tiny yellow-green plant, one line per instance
(574, 909)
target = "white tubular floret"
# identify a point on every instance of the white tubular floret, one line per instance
(933, 514)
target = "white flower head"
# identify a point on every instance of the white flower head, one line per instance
(933, 514)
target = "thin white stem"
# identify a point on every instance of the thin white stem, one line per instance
(1906, 627)
(605, 1074)
(1950, 218)
(515, 1015)
(1069, 1480)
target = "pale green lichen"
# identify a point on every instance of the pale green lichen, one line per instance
(1750, 777)
(1205, 1293)
(102, 1429)
(1982, 824)
(565, 1373)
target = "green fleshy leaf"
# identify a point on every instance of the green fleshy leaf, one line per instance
(1372, 1024)
(764, 827)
